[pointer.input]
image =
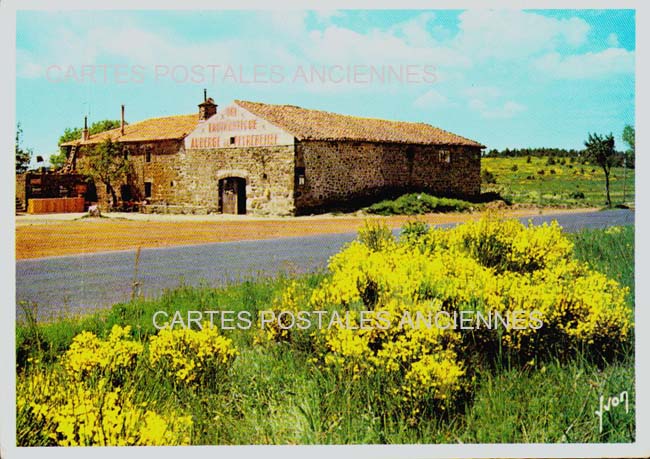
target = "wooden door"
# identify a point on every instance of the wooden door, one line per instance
(233, 195)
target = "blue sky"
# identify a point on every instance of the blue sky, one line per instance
(505, 78)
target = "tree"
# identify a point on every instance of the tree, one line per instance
(57, 161)
(95, 128)
(628, 137)
(106, 163)
(601, 151)
(23, 155)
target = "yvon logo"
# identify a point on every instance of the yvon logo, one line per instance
(612, 402)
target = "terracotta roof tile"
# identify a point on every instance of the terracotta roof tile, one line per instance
(302, 123)
(168, 127)
(307, 124)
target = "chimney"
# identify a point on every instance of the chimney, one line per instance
(207, 108)
(122, 123)
(84, 133)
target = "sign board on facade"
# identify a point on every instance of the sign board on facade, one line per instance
(234, 127)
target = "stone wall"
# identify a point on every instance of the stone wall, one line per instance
(181, 177)
(268, 172)
(162, 171)
(312, 176)
(339, 172)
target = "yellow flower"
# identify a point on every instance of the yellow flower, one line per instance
(191, 356)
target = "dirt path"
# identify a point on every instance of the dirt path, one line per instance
(51, 235)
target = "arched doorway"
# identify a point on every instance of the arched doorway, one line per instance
(232, 195)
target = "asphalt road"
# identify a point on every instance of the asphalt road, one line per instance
(83, 283)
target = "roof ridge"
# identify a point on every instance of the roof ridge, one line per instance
(127, 124)
(334, 113)
(294, 124)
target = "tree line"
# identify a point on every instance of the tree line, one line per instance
(619, 158)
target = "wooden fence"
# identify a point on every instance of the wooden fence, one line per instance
(55, 205)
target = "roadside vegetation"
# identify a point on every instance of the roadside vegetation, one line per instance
(418, 204)
(113, 378)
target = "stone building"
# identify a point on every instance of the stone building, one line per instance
(281, 159)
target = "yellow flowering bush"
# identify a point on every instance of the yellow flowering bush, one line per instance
(72, 413)
(494, 267)
(505, 245)
(88, 354)
(86, 399)
(192, 356)
(407, 351)
(294, 298)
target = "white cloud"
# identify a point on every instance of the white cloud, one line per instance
(590, 65)
(499, 111)
(325, 15)
(289, 22)
(415, 31)
(341, 45)
(510, 34)
(496, 35)
(612, 40)
(27, 66)
(431, 99)
(488, 102)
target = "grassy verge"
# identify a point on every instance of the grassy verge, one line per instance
(274, 394)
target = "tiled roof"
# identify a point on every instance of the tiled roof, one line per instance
(300, 122)
(307, 124)
(168, 127)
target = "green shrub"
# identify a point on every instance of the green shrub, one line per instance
(488, 177)
(375, 234)
(417, 204)
(414, 230)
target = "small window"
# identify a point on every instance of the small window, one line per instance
(147, 189)
(300, 176)
(171, 183)
(147, 155)
(232, 141)
(444, 156)
(125, 153)
(108, 189)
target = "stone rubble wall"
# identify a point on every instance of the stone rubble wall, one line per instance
(343, 171)
(336, 173)
(181, 177)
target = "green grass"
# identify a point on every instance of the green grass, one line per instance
(522, 182)
(275, 395)
(609, 251)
